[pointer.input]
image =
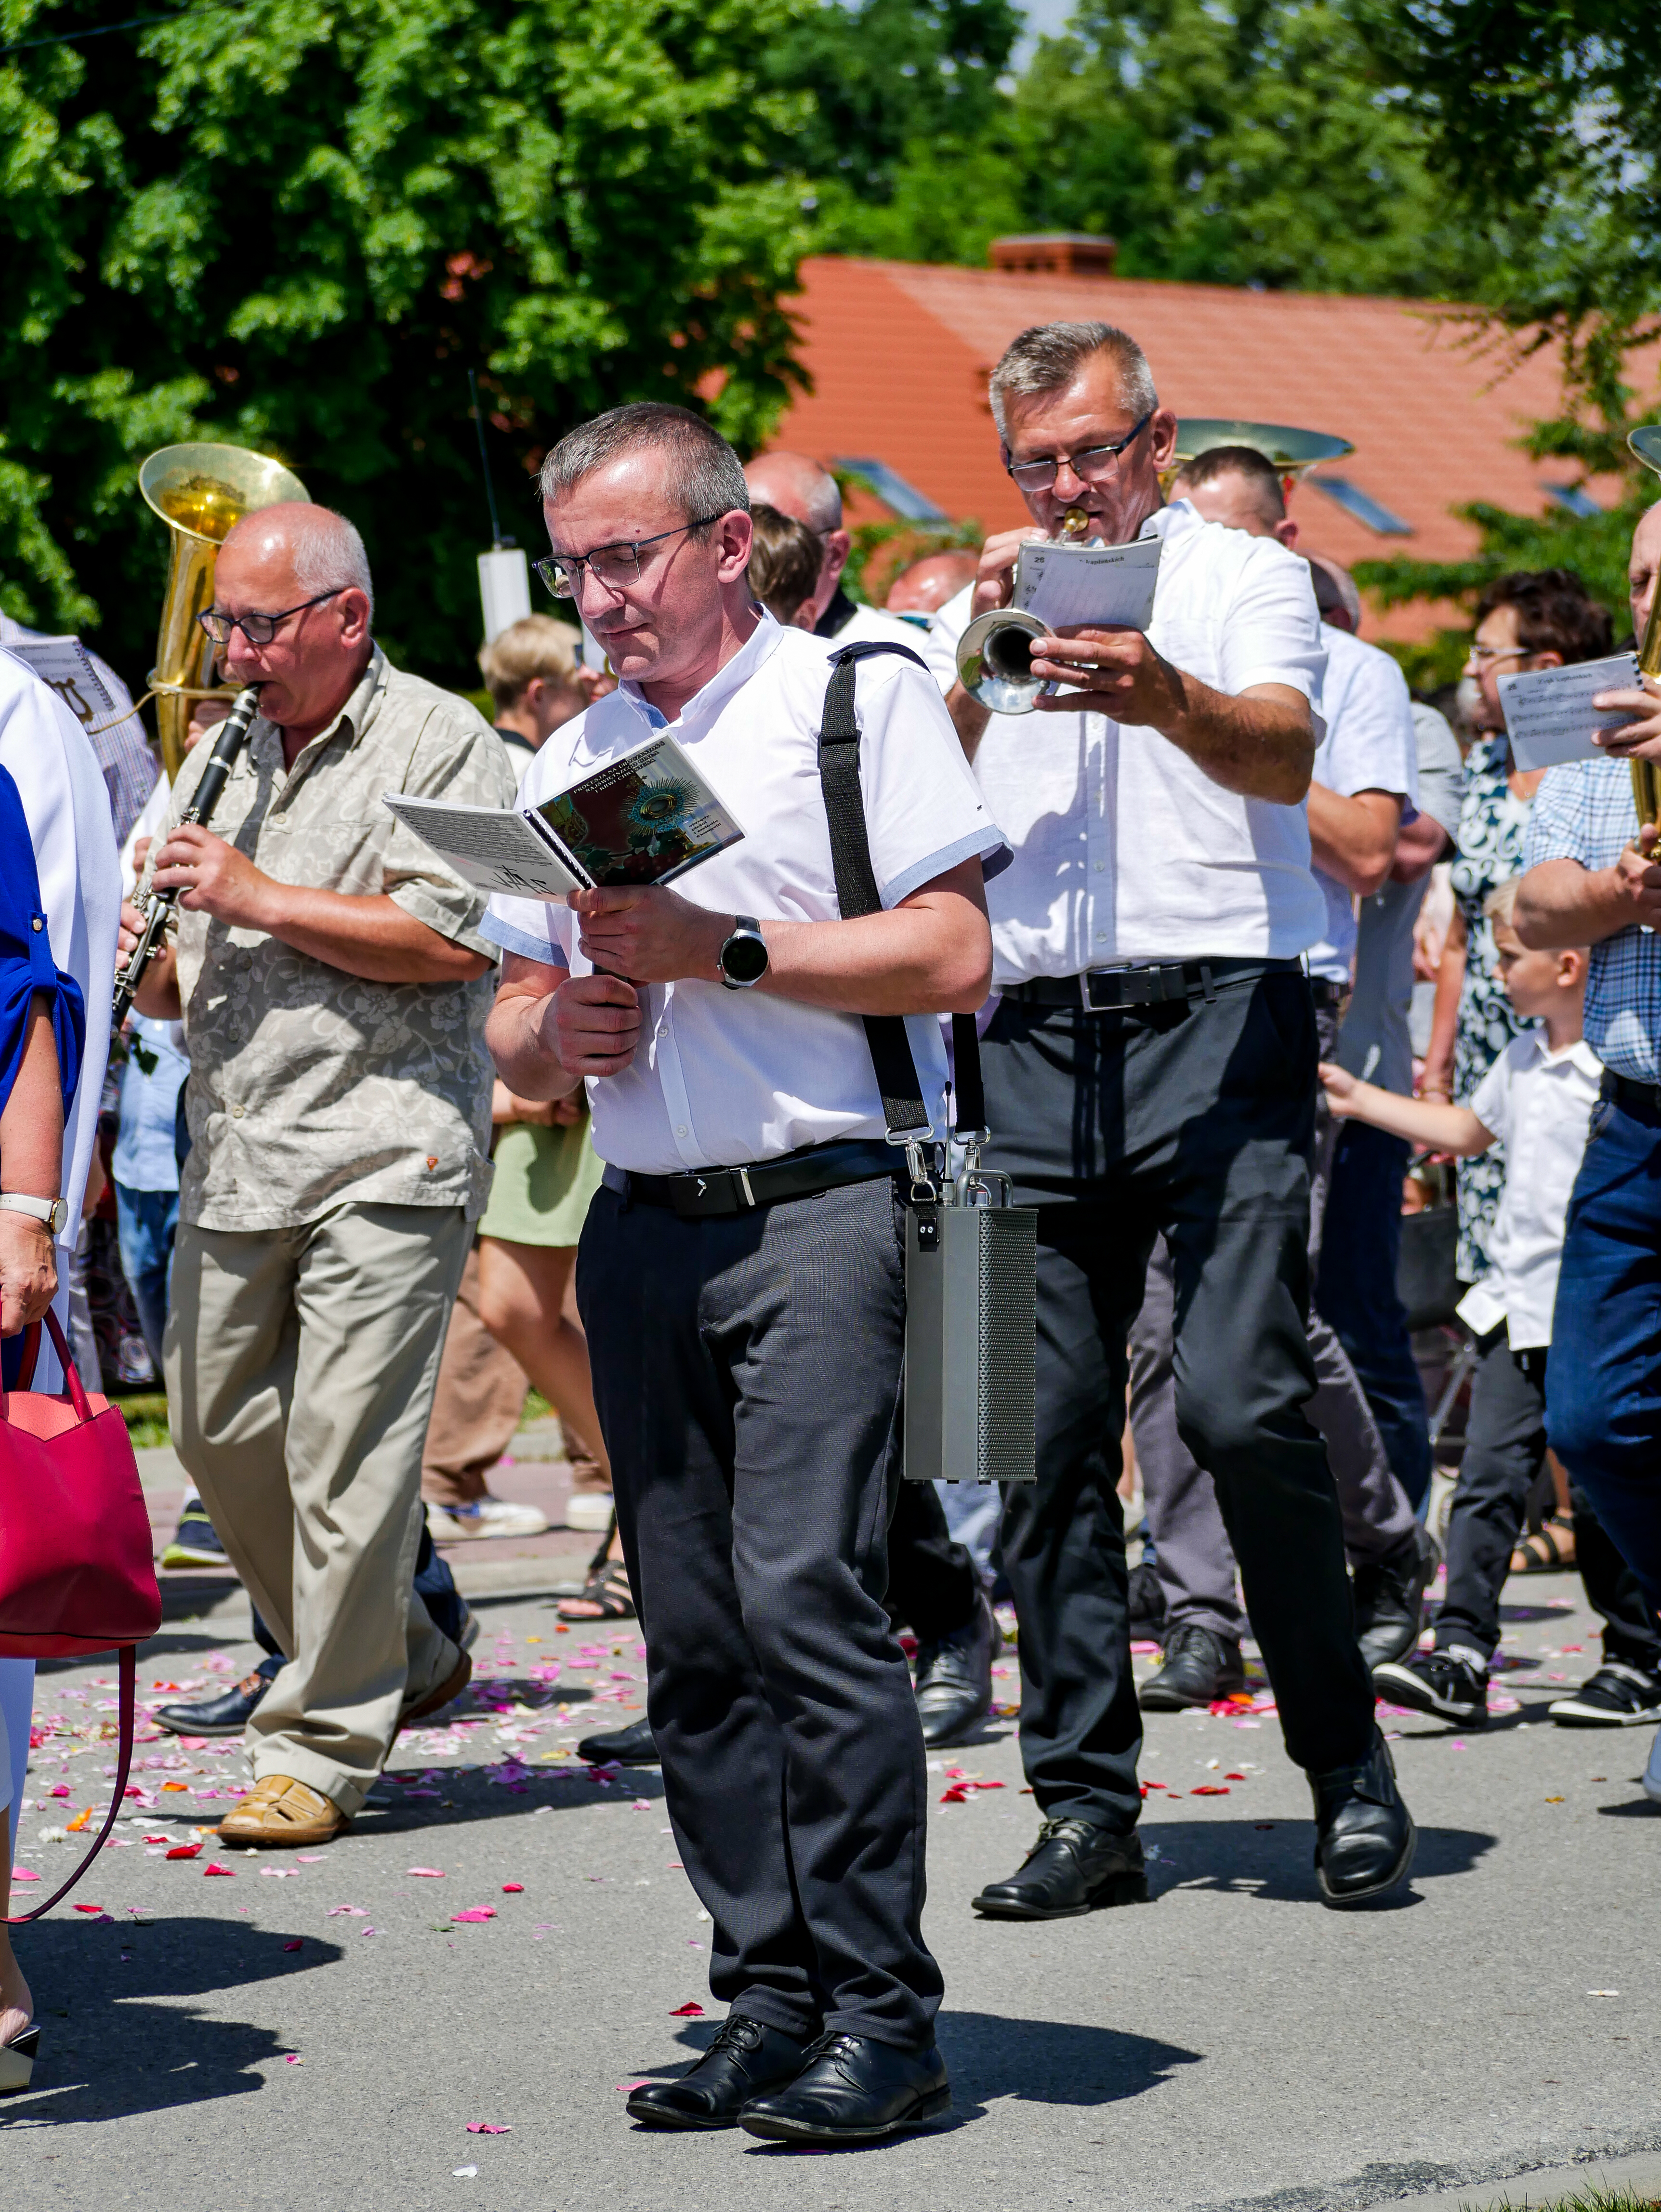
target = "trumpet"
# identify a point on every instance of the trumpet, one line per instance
(1646, 775)
(159, 905)
(994, 653)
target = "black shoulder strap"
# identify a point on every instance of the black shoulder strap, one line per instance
(902, 1106)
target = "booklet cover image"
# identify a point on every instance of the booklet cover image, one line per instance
(642, 819)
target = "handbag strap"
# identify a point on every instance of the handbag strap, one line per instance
(128, 1697)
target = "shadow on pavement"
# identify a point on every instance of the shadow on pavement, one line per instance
(1275, 1859)
(108, 2051)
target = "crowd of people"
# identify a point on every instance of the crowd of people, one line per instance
(390, 1150)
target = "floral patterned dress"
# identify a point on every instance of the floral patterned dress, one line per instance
(1493, 823)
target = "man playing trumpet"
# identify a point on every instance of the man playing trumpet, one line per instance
(1151, 1068)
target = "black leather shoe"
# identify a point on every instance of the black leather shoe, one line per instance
(746, 2060)
(1364, 1834)
(954, 1677)
(226, 1714)
(852, 2090)
(1390, 1600)
(633, 1745)
(1074, 1866)
(1197, 1665)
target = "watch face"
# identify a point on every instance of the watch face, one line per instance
(744, 959)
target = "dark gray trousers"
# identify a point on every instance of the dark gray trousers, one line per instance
(1194, 1122)
(747, 1373)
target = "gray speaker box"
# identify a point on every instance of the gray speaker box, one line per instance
(970, 1335)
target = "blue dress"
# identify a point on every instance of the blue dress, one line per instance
(26, 967)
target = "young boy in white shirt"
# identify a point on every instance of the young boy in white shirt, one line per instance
(1537, 1100)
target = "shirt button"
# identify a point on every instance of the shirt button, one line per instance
(37, 923)
(1100, 865)
(236, 1112)
(681, 1130)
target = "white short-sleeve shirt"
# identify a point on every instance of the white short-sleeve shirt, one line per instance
(722, 1077)
(1538, 1103)
(1371, 744)
(1124, 849)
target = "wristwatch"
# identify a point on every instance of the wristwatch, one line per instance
(742, 959)
(54, 1211)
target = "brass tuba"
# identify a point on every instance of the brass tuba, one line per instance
(1292, 452)
(199, 491)
(1646, 775)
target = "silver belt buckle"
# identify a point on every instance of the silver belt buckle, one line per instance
(1088, 995)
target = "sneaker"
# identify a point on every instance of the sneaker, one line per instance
(196, 1541)
(1198, 1666)
(485, 1516)
(1390, 1600)
(1442, 1683)
(1652, 1771)
(590, 1510)
(1616, 1697)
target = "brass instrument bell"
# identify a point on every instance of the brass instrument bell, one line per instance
(1292, 452)
(200, 491)
(994, 653)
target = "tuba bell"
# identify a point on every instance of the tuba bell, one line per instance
(1646, 775)
(994, 653)
(1292, 452)
(199, 491)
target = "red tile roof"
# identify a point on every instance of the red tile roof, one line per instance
(900, 354)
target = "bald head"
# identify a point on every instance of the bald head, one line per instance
(799, 488)
(1642, 570)
(322, 550)
(926, 585)
(307, 565)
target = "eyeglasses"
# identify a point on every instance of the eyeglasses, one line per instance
(258, 629)
(616, 566)
(1482, 655)
(1093, 465)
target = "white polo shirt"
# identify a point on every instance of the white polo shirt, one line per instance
(1538, 1103)
(724, 1078)
(1124, 849)
(873, 624)
(1371, 744)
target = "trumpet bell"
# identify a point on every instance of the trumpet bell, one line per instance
(994, 660)
(200, 491)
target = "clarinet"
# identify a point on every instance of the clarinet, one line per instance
(159, 904)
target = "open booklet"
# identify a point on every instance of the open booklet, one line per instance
(1549, 716)
(1061, 584)
(64, 665)
(645, 817)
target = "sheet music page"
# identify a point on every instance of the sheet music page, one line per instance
(495, 848)
(1549, 716)
(64, 665)
(1065, 584)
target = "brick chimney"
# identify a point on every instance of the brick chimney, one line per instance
(1054, 253)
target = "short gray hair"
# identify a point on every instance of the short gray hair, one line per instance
(325, 547)
(701, 473)
(1047, 357)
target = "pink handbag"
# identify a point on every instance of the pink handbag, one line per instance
(76, 1572)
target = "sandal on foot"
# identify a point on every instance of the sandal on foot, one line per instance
(607, 1590)
(1549, 1550)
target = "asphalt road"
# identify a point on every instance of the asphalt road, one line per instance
(326, 2039)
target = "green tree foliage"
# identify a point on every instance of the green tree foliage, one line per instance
(1229, 142)
(297, 226)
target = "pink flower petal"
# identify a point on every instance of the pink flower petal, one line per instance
(513, 1888)
(486, 2128)
(687, 2012)
(430, 1873)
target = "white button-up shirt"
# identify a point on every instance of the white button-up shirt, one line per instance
(1371, 744)
(722, 1077)
(1538, 1103)
(1124, 849)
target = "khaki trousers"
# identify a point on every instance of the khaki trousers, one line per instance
(299, 1369)
(476, 1407)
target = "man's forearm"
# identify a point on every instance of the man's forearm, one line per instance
(1352, 836)
(1255, 746)
(514, 1037)
(368, 935)
(1561, 904)
(933, 956)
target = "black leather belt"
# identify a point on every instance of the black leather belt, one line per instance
(1636, 1097)
(1327, 992)
(715, 1191)
(1110, 990)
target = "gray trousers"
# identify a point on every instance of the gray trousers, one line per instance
(1194, 1558)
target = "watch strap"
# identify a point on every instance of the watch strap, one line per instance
(52, 1211)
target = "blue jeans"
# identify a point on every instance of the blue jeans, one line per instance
(146, 1221)
(1603, 1380)
(1360, 1250)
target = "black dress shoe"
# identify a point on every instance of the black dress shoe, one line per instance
(746, 2060)
(226, 1714)
(954, 1677)
(633, 1745)
(1198, 1666)
(1364, 1834)
(1074, 1866)
(852, 2090)
(1390, 1600)
(1148, 1612)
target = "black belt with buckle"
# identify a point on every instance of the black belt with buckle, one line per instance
(1327, 992)
(1112, 990)
(711, 1192)
(1637, 1097)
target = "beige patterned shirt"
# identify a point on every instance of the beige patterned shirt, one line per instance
(310, 1088)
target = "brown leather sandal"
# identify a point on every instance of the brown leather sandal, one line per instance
(1548, 1550)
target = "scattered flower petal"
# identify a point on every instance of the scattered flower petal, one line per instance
(183, 1851)
(214, 1867)
(295, 1946)
(687, 2011)
(486, 2128)
(429, 1874)
(513, 1888)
